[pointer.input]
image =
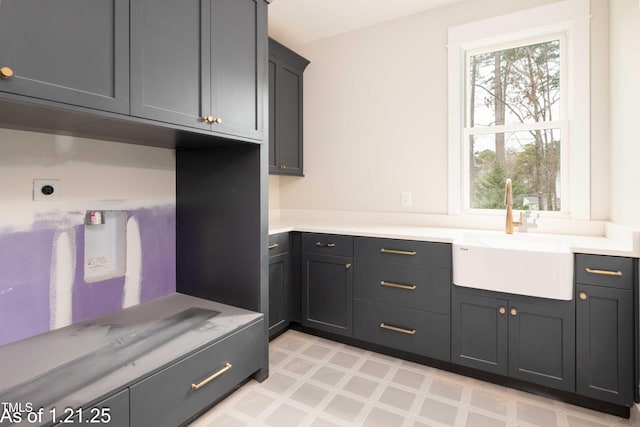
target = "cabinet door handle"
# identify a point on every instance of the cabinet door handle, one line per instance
(208, 119)
(6, 72)
(217, 120)
(283, 167)
(396, 252)
(275, 245)
(604, 272)
(395, 329)
(227, 366)
(582, 296)
(398, 286)
(514, 312)
(502, 310)
(325, 245)
(347, 265)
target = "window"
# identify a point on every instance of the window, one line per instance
(513, 125)
(519, 109)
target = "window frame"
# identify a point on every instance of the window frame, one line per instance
(568, 18)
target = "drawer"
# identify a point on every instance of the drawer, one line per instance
(600, 270)
(167, 398)
(422, 288)
(113, 411)
(413, 331)
(278, 244)
(327, 244)
(403, 251)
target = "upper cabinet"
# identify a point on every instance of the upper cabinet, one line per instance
(70, 51)
(286, 70)
(200, 64)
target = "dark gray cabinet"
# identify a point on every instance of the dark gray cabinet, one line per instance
(70, 51)
(479, 332)
(605, 328)
(200, 64)
(174, 395)
(542, 342)
(327, 283)
(286, 70)
(402, 295)
(280, 291)
(526, 338)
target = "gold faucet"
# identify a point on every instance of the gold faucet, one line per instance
(508, 201)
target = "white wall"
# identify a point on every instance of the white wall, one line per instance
(93, 174)
(375, 119)
(624, 21)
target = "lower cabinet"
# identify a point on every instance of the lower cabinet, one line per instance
(327, 293)
(605, 351)
(327, 282)
(175, 394)
(402, 295)
(525, 338)
(280, 291)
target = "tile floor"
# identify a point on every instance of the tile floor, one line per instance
(314, 382)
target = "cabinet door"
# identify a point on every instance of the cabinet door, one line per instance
(604, 343)
(327, 293)
(69, 51)
(238, 67)
(542, 343)
(479, 332)
(289, 120)
(279, 307)
(166, 68)
(273, 113)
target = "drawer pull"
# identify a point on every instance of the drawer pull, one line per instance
(212, 377)
(398, 286)
(604, 272)
(396, 252)
(325, 245)
(395, 329)
(275, 245)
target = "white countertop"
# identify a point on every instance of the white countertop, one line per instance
(617, 241)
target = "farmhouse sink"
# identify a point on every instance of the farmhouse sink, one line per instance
(523, 264)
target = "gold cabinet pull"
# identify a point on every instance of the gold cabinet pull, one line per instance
(325, 245)
(283, 167)
(582, 296)
(396, 252)
(208, 119)
(514, 312)
(395, 329)
(347, 265)
(604, 272)
(216, 120)
(275, 245)
(398, 286)
(6, 72)
(502, 310)
(227, 366)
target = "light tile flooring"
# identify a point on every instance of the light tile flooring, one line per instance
(314, 382)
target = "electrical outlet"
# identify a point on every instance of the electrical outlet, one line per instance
(406, 199)
(47, 190)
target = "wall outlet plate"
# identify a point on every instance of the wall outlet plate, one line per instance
(47, 190)
(407, 199)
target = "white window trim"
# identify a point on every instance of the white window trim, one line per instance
(570, 17)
